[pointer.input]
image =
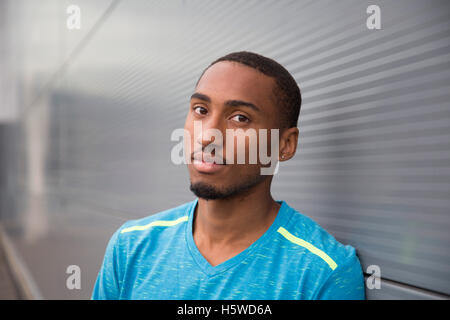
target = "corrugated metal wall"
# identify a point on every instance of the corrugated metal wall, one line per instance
(90, 146)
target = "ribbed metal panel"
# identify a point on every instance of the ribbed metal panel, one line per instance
(373, 161)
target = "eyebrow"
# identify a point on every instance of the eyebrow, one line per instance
(229, 103)
(201, 96)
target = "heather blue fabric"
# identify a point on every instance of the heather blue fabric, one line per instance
(163, 262)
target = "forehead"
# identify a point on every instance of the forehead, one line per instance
(227, 80)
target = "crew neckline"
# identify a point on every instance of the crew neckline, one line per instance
(282, 217)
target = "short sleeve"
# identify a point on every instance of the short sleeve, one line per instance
(107, 285)
(346, 282)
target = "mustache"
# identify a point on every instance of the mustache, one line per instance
(210, 157)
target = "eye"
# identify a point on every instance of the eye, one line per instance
(200, 110)
(241, 118)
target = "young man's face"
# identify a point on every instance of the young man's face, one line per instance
(229, 95)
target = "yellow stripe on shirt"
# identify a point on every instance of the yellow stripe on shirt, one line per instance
(158, 223)
(308, 246)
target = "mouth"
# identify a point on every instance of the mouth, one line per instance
(206, 164)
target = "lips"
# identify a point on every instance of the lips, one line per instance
(207, 164)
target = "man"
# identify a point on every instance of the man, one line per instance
(234, 241)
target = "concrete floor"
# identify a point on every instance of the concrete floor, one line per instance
(8, 290)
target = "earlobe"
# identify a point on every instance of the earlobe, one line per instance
(288, 143)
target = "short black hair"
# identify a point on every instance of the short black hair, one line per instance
(287, 91)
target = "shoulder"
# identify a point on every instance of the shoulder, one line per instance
(306, 235)
(331, 269)
(164, 223)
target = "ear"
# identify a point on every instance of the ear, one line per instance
(288, 143)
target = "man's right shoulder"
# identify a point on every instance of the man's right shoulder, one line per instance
(149, 226)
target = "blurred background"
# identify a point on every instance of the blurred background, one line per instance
(86, 117)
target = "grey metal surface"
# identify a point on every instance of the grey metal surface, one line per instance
(391, 290)
(90, 146)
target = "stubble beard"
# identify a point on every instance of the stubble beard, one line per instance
(208, 191)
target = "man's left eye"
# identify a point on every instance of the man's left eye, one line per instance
(241, 118)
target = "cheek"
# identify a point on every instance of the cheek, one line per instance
(188, 141)
(243, 145)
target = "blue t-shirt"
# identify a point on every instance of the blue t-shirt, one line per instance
(156, 258)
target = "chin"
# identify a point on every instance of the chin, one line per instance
(207, 191)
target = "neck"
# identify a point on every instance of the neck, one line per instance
(236, 221)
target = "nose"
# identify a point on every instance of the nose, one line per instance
(203, 140)
(210, 131)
